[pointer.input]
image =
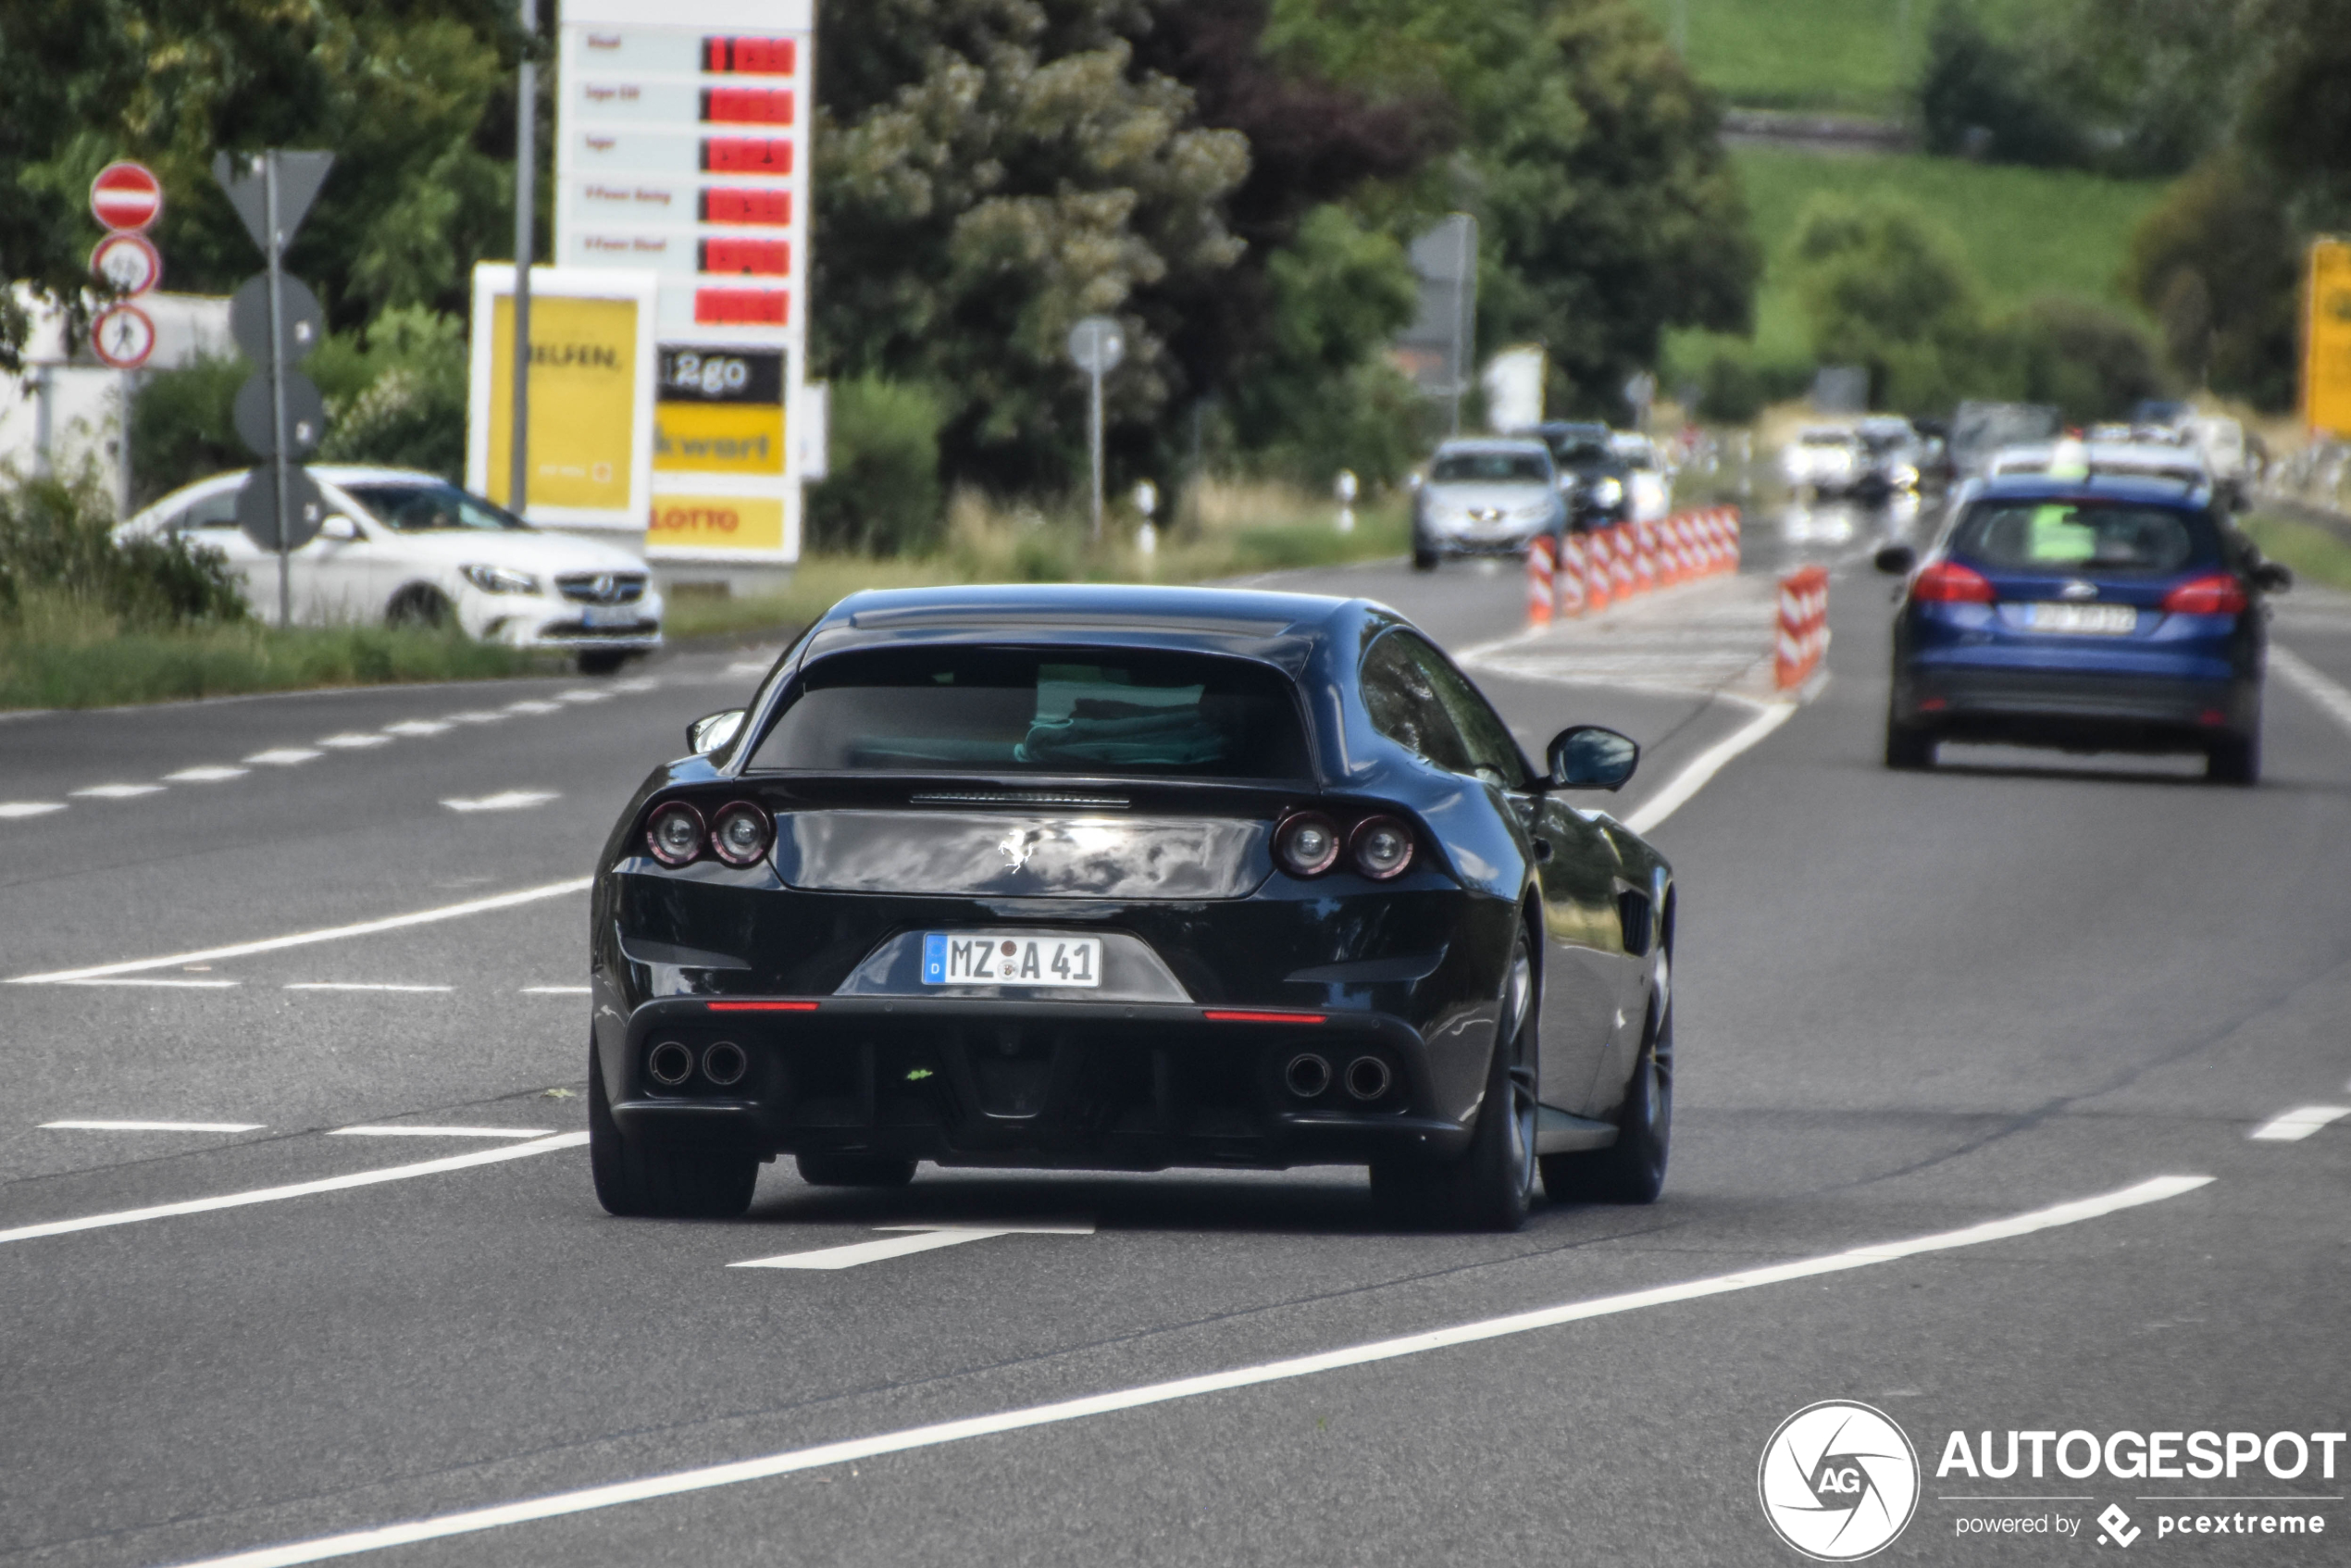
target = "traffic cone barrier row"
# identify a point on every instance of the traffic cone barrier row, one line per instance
(1591, 571)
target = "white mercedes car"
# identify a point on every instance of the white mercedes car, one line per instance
(408, 547)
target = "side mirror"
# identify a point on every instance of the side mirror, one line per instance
(340, 529)
(1586, 757)
(712, 732)
(1895, 560)
(2272, 576)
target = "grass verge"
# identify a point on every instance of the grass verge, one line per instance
(1855, 56)
(2317, 554)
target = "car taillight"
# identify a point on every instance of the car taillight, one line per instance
(675, 835)
(2219, 594)
(1947, 582)
(1382, 847)
(739, 836)
(1307, 843)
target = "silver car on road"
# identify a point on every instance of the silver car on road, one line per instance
(1485, 497)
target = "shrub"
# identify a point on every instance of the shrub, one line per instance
(2091, 362)
(183, 429)
(1977, 99)
(57, 540)
(397, 396)
(1884, 286)
(2220, 263)
(882, 497)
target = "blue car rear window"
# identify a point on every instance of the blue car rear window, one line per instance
(1010, 710)
(2084, 536)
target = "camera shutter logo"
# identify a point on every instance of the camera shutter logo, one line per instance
(1839, 1481)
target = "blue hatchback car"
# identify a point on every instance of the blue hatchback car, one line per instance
(2091, 613)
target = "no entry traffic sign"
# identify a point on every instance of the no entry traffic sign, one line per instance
(126, 197)
(123, 337)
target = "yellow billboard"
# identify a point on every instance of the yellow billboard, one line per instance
(719, 523)
(584, 386)
(719, 438)
(2326, 339)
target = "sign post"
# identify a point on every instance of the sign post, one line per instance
(279, 411)
(1096, 345)
(526, 211)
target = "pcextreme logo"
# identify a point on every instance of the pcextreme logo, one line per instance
(1838, 1481)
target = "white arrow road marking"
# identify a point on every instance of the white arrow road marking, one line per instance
(115, 791)
(154, 1126)
(510, 800)
(2299, 1122)
(557, 1504)
(925, 1238)
(304, 938)
(29, 808)
(284, 756)
(299, 1188)
(205, 775)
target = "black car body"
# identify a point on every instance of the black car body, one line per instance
(1213, 786)
(1597, 480)
(2091, 612)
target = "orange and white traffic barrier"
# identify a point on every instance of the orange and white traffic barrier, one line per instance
(1804, 626)
(1567, 590)
(1624, 579)
(1540, 569)
(1645, 575)
(1597, 574)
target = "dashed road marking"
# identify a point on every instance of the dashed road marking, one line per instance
(164, 985)
(2298, 1124)
(284, 756)
(153, 1126)
(114, 791)
(581, 694)
(357, 985)
(355, 740)
(588, 1499)
(509, 799)
(418, 727)
(530, 705)
(750, 667)
(440, 1132)
(296, 1189)
(29, 808)
(205, 775)
(555, 990)
(637, 683)
(477, 716)
(925, 1238)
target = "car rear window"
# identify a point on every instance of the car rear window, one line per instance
(1490, 467)
(2066, 536)
(1013, 710)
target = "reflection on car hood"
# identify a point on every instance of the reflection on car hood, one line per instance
(1508, 497)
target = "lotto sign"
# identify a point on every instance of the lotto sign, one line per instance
(126, 197)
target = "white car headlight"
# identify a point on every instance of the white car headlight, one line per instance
(499, 580)
(1607, 491)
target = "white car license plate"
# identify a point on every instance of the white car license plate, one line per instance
(2082, 620)
(608, 614)
(1000, 958)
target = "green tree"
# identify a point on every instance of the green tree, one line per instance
(2222, 245)
(1882, 285)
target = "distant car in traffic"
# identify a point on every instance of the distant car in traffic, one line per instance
(1649, 482)
(1123, 878)
(1593, 477)
(1980, 428)
(1823, 461)
(2095, 612)
(1491, 496)
(1891, 456)
(406, 547)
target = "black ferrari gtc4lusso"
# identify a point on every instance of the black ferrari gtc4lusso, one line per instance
(1122, 878)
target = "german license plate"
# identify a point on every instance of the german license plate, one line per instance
(1009, 958)
(2082, 620)
(608, 614)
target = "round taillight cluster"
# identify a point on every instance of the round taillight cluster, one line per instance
(1308, 843)
(740, 835)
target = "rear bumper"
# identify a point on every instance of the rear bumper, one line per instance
(1077, 1085)
(2072, 707)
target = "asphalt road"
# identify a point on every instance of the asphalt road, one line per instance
(1909, 1004)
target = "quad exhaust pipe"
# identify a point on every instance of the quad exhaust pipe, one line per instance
(1307, 1075)
(1368, 1078)
(725, 1063)
(669, 1064)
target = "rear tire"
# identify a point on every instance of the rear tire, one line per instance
(2236, 759)
(418, 605)
(1424, 560)
(1909, 748)
(1631, 1170)
(632, 1179)
(1492, 1186)
(853, 1170)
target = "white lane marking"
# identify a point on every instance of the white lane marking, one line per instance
(205, 775)
(2299, 1122)
(478, 717)
(581, 694)
(284, 756)
(297, 1189)
(474, 1520)
(637, 683)
(115, 791)
(440, 1132)
(29, 808)
(750, 667)
(2300, 674)
(925, 1238)
(357, 985)
(167, 985)
(354, 741)
(508, 800)
(531, 706)
(304, 938)
(154, 1126)
(417, 727)
(1704, 765)
(555, 990)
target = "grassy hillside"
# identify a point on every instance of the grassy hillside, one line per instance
(1857, 56)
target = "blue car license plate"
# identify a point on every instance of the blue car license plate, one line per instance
(1010, 958)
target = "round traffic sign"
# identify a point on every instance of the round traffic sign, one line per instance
(258, 507)
(1097, 344)
(305, 324)
(126, 197)
(123, 336)
(306, 415)
(127, 263)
